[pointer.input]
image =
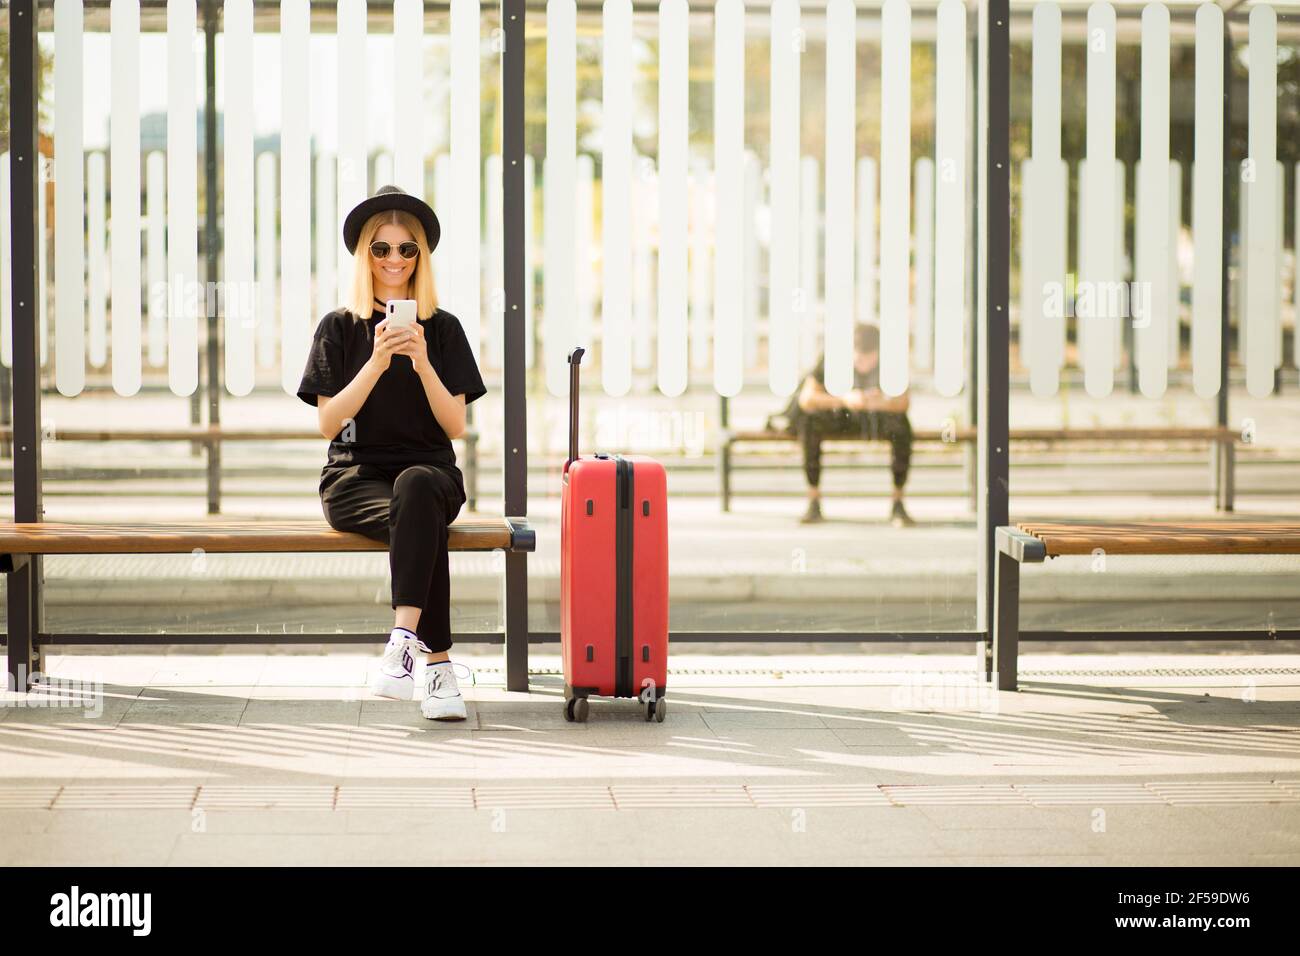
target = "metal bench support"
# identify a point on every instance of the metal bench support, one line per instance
(1013, 548)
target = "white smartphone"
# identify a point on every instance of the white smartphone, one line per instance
(401, 313)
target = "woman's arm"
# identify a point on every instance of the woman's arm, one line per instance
(333, 410)
(447, 408)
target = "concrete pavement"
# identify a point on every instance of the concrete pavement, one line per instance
(766, 757)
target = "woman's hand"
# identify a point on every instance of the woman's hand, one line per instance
(388, 342)
(416, 349)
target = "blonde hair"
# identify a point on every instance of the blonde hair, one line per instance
(419, 287)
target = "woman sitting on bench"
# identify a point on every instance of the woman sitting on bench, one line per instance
(864, 412)
(391, 400)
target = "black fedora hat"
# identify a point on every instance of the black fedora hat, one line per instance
(385, 198)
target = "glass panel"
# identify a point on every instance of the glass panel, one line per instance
(1148, 217)
(281, 176)
(790, 183)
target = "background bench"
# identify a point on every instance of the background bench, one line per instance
(1221, 440)
(1036, 541)
(210, 437)
(19, 542)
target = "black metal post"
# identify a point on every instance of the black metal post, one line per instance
(994, 364)
(724, 455)
(514, 382)
(212, 241)
(25, 580)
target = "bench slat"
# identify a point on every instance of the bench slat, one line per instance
(965, 433)
(1166, 537)
(472, 533)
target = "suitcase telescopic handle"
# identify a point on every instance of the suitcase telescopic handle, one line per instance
(575, 360)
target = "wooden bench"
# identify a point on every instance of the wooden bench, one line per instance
(1215, 437)
(1035, 541)
(210, 437)
(20, 541)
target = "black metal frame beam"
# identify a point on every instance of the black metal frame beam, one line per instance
(515, 448)
(994, 371)
(691, 637)
(24, 595)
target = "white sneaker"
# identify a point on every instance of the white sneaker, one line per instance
(395, 677)
(442, 699)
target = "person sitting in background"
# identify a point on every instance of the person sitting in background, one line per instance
(864, 412)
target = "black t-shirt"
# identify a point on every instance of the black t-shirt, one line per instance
(395, 424)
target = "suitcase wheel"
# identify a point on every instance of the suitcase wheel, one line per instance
(656, 709)
(576, 708)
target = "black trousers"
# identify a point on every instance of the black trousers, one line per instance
(408, 507)
(892, 427)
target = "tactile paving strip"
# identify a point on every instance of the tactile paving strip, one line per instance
(634, 796)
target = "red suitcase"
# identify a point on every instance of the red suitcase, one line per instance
(613, 574)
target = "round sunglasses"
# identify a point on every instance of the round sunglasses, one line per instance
(408, 250)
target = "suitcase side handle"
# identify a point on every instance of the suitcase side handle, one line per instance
(575, 360)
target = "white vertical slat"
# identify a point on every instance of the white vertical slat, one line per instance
(442, 193)
(1175, 283)
(784, 311)
(584, 205)
(701, 271)
(808, 295)
(728, 154)
(1295, 282)
(923, 309)
(1046, 217)
(124, 133)
(97, 262)
(673, 348)
(183, 309)
(1097, 322)
(492, 353)
(69, 209)
(643, 201)
(1151, 331)
(6, 267)
(328, 235)
(462, 225)
(530, 281)
(296, 321)
(752, 199)
(841, 148)
(950, 199)
(559, 184)
(840, 160)
(351, 96)
(237, 197)
(1027, 298)
(155, 178)
(1207, 202)
(866, 284)
(408, 89)
(268, 324)
(895, 191)
(1264, 198)
(616, 186)
(383, 171)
